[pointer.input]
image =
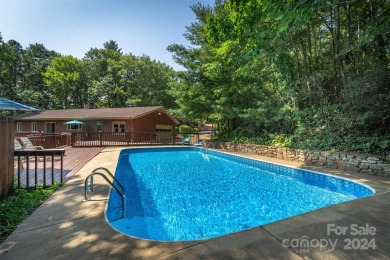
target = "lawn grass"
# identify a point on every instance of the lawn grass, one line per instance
(17, 206)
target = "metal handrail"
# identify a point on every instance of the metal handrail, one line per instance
(208, 145)
(111, 183)
(109, 173)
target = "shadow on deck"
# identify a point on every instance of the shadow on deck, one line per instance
(46, 175)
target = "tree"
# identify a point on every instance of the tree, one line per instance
(269, 67)
(65, 82)
(36, 60)
(118, 80)
(103, 79)
(10, 68)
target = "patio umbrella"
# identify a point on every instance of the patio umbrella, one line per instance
(6, 104)
(74, 122)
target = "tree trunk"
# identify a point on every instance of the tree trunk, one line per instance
(309, 48)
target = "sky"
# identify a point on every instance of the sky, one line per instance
(73, 27)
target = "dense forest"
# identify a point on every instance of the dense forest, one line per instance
(290, 73)
(106, 77)
(310, 74)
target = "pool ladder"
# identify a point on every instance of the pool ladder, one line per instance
(208, 146)
(89, 187)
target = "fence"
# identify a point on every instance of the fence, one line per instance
(6, 160)
(84, 139)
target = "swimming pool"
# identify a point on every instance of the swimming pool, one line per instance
(182, 194)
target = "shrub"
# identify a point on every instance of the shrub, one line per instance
(183, 129)
(19, 205)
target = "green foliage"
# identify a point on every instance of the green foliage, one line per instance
(33, 89)
(21, 73)
(310, 74)
(183, 129)
(356, 143)
(18, 206)
(281, 141)
(106, 77)
(65, 82)
(118, 80)
(335, 128)
(301, 74)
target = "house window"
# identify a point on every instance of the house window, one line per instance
(34, 127)
(73, 127)
(163, 128)
(19, 127)
(118, 126)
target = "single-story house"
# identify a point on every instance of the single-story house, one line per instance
(126, 119)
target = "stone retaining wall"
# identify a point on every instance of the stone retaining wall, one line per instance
(337, 160)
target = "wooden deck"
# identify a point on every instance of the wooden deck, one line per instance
(74, 159)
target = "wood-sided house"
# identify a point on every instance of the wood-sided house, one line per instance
(133, 120)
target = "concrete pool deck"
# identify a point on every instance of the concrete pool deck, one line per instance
(64, 227)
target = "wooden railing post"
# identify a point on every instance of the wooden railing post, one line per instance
(20, 166)
(6, 158)
(71, 139)
(62, 168)
(39, 174)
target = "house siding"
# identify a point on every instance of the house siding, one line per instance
(136, 119)
(148, 122)
(60, 127)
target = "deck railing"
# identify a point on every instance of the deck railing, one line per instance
(85, 139)
(48, 141)
(39, 167)
(51, 141)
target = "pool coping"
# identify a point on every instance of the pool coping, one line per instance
(65, 227)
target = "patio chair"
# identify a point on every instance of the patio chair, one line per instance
(17, 145)
(27, 145)
(186, 139)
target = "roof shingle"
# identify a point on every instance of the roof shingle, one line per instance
(96, 113)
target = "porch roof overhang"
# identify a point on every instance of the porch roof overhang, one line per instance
(127, 113)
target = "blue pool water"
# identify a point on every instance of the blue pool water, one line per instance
(181, 194)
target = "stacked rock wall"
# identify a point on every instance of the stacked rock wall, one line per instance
(344, 161)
